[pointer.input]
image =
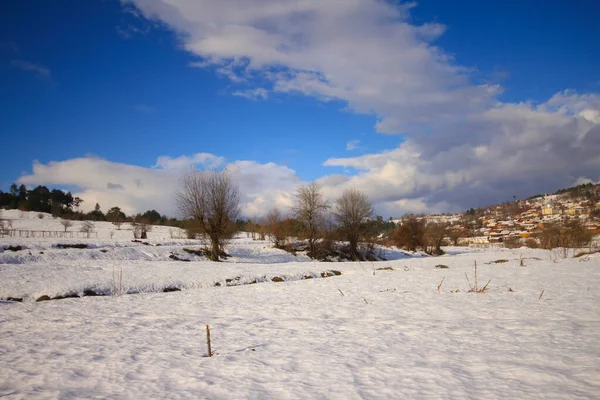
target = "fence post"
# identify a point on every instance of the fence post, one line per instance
(208, 340)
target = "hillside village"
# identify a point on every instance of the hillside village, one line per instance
(524, 219)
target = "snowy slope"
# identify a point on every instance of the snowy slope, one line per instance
(363, 334)
(42, 267)
(29, 220)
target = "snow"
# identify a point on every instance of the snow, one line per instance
(29, 220)
(364, 334)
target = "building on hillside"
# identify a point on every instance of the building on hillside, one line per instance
(549, 209)
(531, 213)
(477, 240)
(576, 210)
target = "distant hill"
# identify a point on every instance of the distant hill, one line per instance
(584, 191)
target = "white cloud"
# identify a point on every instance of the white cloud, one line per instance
(264, 186)
(511, 149)
(352, 145)
(370, 54)
(205, 160)
(136, 189)
(139, 188)
(365, 52)
(253, 94)
(583, 180)
(37, 69)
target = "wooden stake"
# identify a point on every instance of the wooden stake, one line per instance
(208, 340)
(476, 286)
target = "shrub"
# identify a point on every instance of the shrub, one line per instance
(87, 227)
(512, 242)
(532, 243)
(66, 224)
(141, 229)
(410, 234)
(568, 234)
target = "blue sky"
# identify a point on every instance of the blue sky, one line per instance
(418, 105)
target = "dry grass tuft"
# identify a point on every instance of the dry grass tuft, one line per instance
(440, 285)
(475, 288)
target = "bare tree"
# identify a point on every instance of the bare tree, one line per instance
(141, 228)
(87, 227)
(252, 228)
(567, 234)
(310, 209)
(66, 223)
(435, 233)
(5, 227)
(410, 233)
(211, 199)
(352, 209)
(276, 227)
(454, 234)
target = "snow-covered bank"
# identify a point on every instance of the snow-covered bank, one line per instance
(358, 335)
(33, 267)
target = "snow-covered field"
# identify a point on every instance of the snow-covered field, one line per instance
(367, 333)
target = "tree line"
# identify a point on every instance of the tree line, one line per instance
(345, 228)
(39, 199)
(63, 204)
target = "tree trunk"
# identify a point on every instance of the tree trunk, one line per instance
(214, 254)
(354, 249)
